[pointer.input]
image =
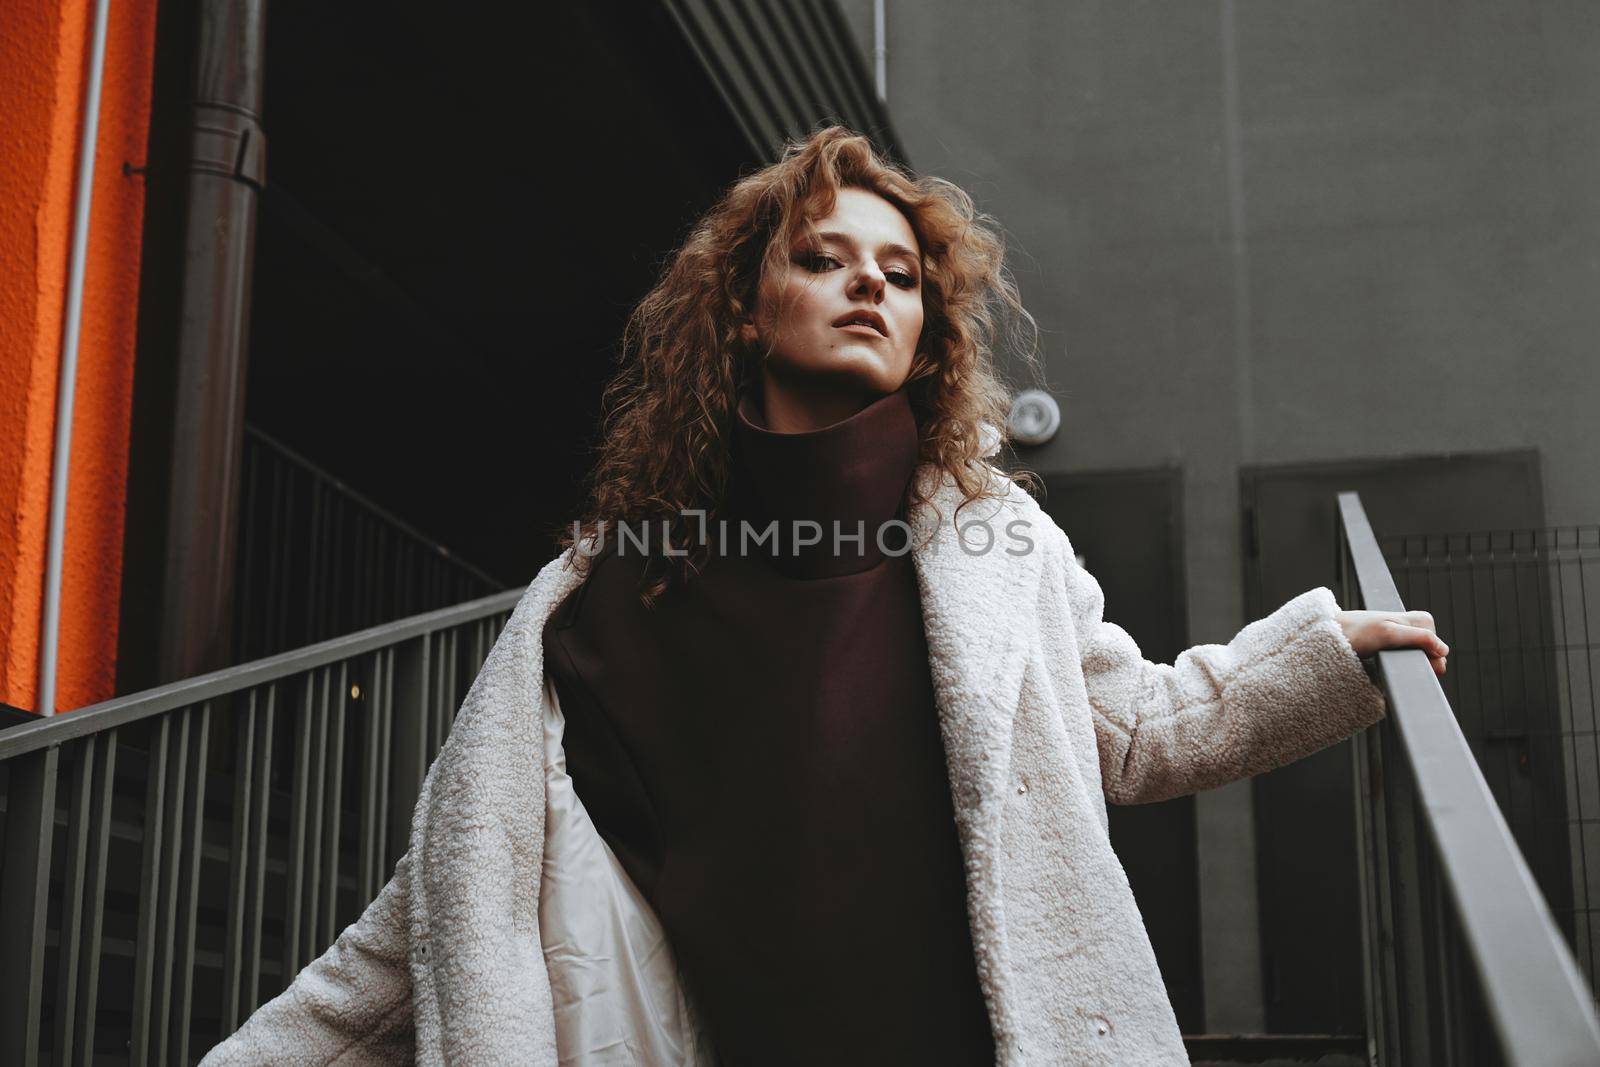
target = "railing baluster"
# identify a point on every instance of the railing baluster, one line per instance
(256, 862)
(452, 702)
(144, 954)
(95, 894)
(437, 696)
(314, 562)
(238, 864)
(411, 708)
(278, 558)
(385, 743)
(337, 596)
(314, 816)
(24, 904)
(334, 804)
(189, 888)
(167, 916)
(370, 826)
(246, 621)
(294, 882)
(69, 944)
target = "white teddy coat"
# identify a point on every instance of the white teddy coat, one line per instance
(1047, 711)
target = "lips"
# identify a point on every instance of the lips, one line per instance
(870, 319)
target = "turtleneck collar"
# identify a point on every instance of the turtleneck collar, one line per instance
(850, 477)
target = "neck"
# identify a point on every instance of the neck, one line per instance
(804, 406)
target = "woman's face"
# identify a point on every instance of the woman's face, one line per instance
(842, 319)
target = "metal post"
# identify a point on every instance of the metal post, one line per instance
(67, 382)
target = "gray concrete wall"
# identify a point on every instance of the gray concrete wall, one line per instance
(1276, 231)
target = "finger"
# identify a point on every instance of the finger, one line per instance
(1421, 619)
(1403, 636)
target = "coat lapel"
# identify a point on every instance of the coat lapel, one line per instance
(979, 592)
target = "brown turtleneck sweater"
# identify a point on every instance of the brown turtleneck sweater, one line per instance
(762, 752)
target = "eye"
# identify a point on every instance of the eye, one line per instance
(903, 279)
(817, 262)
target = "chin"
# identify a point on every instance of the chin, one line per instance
(844, 371)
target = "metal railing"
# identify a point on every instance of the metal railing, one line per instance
(318, 559)
(172, 858)
(1523, 611)
(1464, 962)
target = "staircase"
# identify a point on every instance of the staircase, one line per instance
(171, 856)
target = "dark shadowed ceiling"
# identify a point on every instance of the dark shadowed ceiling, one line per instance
(463, 202)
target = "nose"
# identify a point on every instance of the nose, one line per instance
(870, 282)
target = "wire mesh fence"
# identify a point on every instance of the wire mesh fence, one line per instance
(1521, 612)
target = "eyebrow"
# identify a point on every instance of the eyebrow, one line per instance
(892, 248)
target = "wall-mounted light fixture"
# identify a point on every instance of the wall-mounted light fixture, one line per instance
(1035, 417)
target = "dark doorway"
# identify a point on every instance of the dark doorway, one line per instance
(1128, 527)
(1305, 832)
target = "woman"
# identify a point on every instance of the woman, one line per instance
(800, 751)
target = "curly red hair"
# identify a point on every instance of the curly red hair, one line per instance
(669, 411)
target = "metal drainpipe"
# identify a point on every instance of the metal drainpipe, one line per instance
(880, 50)
(67, 381)
(227, 169)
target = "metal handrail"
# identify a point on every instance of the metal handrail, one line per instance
(1541, 1007)
(120, 711)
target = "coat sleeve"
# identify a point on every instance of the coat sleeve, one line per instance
(349, 1006)
(1283, 688)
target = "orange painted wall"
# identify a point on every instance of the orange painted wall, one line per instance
(44, 49)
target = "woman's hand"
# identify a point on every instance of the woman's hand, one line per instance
(1373, 631)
